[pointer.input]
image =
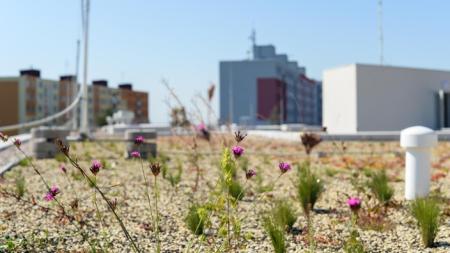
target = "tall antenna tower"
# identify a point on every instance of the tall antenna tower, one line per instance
(380, 30)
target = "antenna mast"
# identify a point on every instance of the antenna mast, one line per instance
(252, 38)
(380, 27)
(84, 108)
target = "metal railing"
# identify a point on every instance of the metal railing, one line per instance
(46, 119)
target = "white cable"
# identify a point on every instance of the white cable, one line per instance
(46, 119)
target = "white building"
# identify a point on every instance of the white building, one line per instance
(360, 97)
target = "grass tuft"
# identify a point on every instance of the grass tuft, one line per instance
(309, 188)
(283, 215)
(20, 186)
(426, 211)
(380, 187)
(236, 190)
(194, 220)
(24, 162)
(353, 245)
(276, 235)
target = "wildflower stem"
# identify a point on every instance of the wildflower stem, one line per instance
(63, 210)
(158, 246)
(228, 218)
(47, 185)
(260, 197)
(146, 187)
(111, 207)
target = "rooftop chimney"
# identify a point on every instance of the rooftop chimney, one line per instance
(30, 72)
(103, 83)
(126, 86)
(67, 78)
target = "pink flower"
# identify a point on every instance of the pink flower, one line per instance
(201, 127)
(135, 154)
(354, 203)
(95, 167)
(63, 168)
(51, 194)
(237, 151)
(250, 173)
(284, 167)
(139, 140)
(17, 142)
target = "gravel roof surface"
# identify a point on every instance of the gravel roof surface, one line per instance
(38, 228)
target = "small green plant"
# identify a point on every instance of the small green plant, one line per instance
(76, 175)
(60, 157)
(260, 186)
(24, 162)
(194, 220)
(7, 245)
(380, 187)
(426, 211)
(331, 172)
(283, 215)
(309, 188)
(275, 234)
(20, 186)
(105, 164)
(175, 178)
(236, 190)
(353, 244)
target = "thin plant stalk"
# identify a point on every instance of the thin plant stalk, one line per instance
(260, 198)
(32, 203)
(311, 241)
(228, 219)
(147, 193)
(158, 243)
(108, 202)
(64, 213)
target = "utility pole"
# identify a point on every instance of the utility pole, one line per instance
(75, 87)
(380, 27)
(84, 109)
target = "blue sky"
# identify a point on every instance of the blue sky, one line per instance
(144, 41)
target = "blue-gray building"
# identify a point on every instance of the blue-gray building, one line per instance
(268, 89)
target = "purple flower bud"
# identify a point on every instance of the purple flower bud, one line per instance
(250, 173)
(139, 140)
(95, 167)
(156, 168)
(63, 168)
(51, 194)
(17, 142)
(284, 167)
(354, 203)
(238, 136)
(237, 151)
(135, 154)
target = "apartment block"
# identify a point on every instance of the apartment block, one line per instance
(29, 97)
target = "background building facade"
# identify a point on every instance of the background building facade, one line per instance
(268, 89)
(361, 97)
(29, 97)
